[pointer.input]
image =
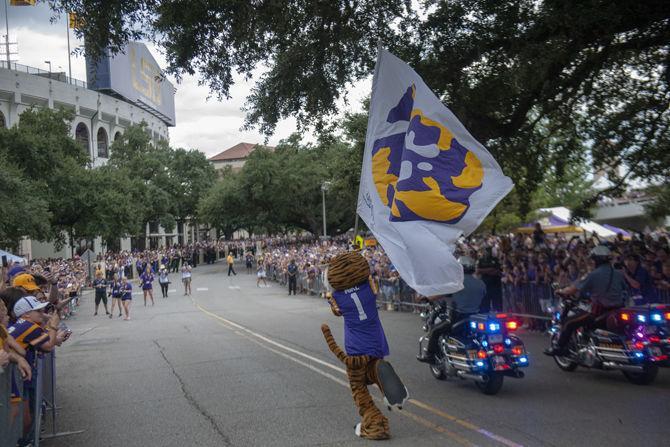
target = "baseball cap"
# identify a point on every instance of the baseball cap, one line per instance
(25, 281)
(15, 270)
(26, 304)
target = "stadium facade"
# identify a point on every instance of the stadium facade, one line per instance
(121, 90)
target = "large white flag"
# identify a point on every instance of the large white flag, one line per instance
(425, 180)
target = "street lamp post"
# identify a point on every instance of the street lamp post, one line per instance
(48, 63)
(324, 187)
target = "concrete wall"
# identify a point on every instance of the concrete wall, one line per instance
(236, 165)
(20, 91)
(627, 214)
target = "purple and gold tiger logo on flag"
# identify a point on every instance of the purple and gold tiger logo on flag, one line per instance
(426, 181)
(423, 173)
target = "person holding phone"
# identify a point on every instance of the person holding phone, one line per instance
(36, 332)
(186, 278)
(164, 280)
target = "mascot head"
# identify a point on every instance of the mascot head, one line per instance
(347, 270)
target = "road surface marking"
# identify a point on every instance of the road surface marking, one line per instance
(234, 287)
(241, 330)
(202, 289)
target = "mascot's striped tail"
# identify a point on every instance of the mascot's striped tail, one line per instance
(332, 344)
(361, 370)
(382, 373)
(351, 361)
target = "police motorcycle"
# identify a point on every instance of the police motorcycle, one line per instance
(627, 349)
(479, 347)
(649, 327)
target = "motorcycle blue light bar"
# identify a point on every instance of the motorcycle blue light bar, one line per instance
(494, 327)
(656, 318)
(642, 318)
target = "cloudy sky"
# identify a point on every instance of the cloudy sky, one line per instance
(208, 125)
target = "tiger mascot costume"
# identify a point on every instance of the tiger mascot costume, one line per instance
(354, 299)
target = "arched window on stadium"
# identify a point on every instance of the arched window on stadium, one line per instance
(81, 136)
(103, 152)
(3, 123)
(117, 136)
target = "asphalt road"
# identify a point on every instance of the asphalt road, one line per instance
(238, 365)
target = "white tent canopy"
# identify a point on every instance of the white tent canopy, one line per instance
(13, 258)
(587, 225)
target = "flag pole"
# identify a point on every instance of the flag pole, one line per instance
(69, 60)
(7, 36)
(379, 50)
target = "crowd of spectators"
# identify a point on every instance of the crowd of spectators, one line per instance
(131, 264)
(519, 270)
(32, 300)
(300, 264)
(522, 268)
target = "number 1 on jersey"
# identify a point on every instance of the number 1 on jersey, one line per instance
(359, 306)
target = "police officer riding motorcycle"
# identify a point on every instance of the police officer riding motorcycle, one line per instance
(604, 288)
(464, 303)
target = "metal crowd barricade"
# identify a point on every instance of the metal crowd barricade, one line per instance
(533, 301)
(44, 379)
(45, 400)
(11, 414)
(529, 301)
(395, 294)
(663, 296)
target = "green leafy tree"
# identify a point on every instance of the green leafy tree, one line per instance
(23, 209)
(146, 168)
(109, 213)
(50, 164)
(569, 189)
(223, 206)
(657, 210)
(41, 145)
(511, 70)
(191, 176)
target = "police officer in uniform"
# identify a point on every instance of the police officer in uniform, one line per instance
(465, 302)
(604, 286)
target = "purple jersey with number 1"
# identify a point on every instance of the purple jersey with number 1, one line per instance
(363, 332)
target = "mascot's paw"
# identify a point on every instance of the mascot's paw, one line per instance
(333, 305)
(377, 432)
(395, 392)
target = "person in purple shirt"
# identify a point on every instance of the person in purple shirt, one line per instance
(146, 281)
(127, 296)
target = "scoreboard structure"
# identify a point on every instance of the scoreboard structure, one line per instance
(135, 76)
